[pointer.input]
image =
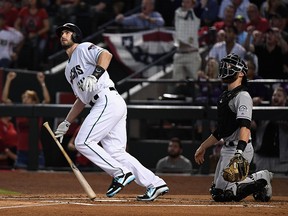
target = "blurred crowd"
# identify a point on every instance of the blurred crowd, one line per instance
(30, 26)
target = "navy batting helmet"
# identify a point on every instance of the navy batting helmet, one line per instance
(77, 34)
(230, 65)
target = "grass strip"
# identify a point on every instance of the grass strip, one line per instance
(7, 192)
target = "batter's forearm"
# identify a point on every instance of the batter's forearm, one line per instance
(76, 109)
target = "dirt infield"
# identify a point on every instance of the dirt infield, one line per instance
(59, 193)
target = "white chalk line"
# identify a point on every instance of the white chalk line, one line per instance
(68, 201)
(165, 205)
(49, 200)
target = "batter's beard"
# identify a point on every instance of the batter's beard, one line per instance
(66, 46)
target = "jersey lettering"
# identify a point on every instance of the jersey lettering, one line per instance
(92, 46)
(80, 84)
(75, 71)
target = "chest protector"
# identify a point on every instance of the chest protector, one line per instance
(227, 122)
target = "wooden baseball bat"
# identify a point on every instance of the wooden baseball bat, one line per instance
(87, 188)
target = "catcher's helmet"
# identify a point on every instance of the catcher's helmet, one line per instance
(230, 65)
(77, 34)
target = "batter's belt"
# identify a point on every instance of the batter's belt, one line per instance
(94, 99)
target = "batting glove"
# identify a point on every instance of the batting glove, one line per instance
(89, 83)
(62, 130)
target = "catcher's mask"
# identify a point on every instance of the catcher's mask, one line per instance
(77, 34)
(230, 65)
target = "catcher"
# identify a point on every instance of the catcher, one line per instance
(234, 107)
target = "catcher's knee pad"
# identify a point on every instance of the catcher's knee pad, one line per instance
(219, 195)
(246, 189)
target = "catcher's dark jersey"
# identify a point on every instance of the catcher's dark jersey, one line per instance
(233, 105)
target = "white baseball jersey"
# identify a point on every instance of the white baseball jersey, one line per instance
(106, 122)
(219, 51)
(187, 27)
(9, 38)
(81, 64)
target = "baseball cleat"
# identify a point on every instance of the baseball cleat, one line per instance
(119, 182)
(265, 194)
(153, 192)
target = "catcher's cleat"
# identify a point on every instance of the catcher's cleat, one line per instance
(265, 194)
(153, 192)
(118, 183)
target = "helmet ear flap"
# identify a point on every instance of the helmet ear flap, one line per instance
(75, 37)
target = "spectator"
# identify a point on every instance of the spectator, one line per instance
(208, 93)
(220, 36)
(9, 11)
(8, 142)
(257, 22)
(221, 49)
(270, 54)
(208, 11)
(187, 59)
(271, 149)
(34, 23)
(239, 5)
(28, 97)
(146, 19)
(240, 24)
(209, 35)
(118, 7)
(228, 19)
(269, 7)
(11, 42)
(280, 21)
(175, 162)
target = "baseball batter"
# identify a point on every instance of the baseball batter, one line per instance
(234, 120)
(106, 123)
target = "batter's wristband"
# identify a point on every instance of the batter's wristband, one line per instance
(98, 71)
(241, 145)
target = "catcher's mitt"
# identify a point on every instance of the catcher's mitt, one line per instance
(237, 169)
